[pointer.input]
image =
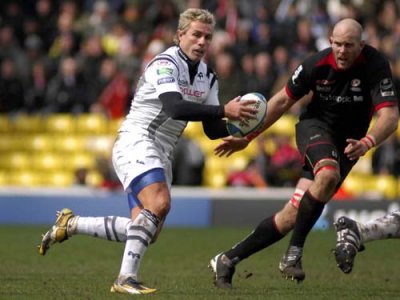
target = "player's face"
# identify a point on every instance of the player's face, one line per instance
(195, 41)
(346, 49)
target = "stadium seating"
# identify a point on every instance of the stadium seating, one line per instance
(26, 124)
(91, 124)
(60, 124)
(26, 178)
(15, 161)
(47, 150)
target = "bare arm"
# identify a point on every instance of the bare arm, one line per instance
(386, 124)
(276, 107)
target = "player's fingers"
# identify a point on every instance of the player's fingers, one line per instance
(250, 114)
(248, 102)
(351, 141)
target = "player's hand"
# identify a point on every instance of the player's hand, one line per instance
(240, 110)
(230, 145)
(355, 149)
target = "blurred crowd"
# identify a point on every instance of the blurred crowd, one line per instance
(85, 56)
(79, 56)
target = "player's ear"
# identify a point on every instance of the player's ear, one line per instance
(179, 34)
(362, 44)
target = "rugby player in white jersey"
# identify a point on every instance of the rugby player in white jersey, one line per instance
(177, 86)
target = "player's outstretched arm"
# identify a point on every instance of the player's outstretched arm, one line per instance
(385, 125)
(277, 105)
(230, 145)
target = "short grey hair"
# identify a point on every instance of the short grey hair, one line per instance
(193, 14)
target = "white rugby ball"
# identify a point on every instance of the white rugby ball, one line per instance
(241, 129)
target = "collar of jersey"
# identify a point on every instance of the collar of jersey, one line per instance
(190, 63)
(192, 66)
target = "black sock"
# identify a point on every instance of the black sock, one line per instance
(310, 210)
(263, 236)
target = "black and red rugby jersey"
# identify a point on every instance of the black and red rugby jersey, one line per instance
(344, 100)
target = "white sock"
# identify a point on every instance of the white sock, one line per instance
(382, 228)
(139, 234)
(110, 228)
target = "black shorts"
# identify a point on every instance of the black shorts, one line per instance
(315, 142)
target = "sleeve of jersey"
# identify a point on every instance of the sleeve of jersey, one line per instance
(177, 108)
(163, 74)
(383, 91)
(298, 84)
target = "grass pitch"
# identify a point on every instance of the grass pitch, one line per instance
(85, 267)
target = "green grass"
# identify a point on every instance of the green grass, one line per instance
(85, 267)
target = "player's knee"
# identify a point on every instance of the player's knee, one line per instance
(328, 170)
(161, 206)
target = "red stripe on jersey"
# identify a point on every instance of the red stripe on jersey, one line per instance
(290, 94)
(328, 60)
(384, 104)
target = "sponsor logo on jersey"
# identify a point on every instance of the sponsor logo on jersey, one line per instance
(200, 77)
(315, 136)
(358, 98)
(325, 82)
(165, 71)
(337, 99)
(323, 88)
(296, 74)
(183, 82)
(355, 85)
(189, 92)
(386, 87)
(162, 62)
(165, 80)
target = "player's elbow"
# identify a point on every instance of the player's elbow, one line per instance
(212, 134)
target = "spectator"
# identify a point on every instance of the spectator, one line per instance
(11, 88)
(11, 49)
(89, 62)
(35, 93)
(66, 91)
(46, 21)
(114, 98)
(229, 80)
(265, 74)
(248, 78)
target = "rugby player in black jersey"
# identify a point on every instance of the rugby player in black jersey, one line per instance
(349, 82)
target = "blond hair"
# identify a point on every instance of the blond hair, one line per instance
(193, 14)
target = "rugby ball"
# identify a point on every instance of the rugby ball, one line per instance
(239, 128)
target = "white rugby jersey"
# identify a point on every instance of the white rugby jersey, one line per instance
(167, 72)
